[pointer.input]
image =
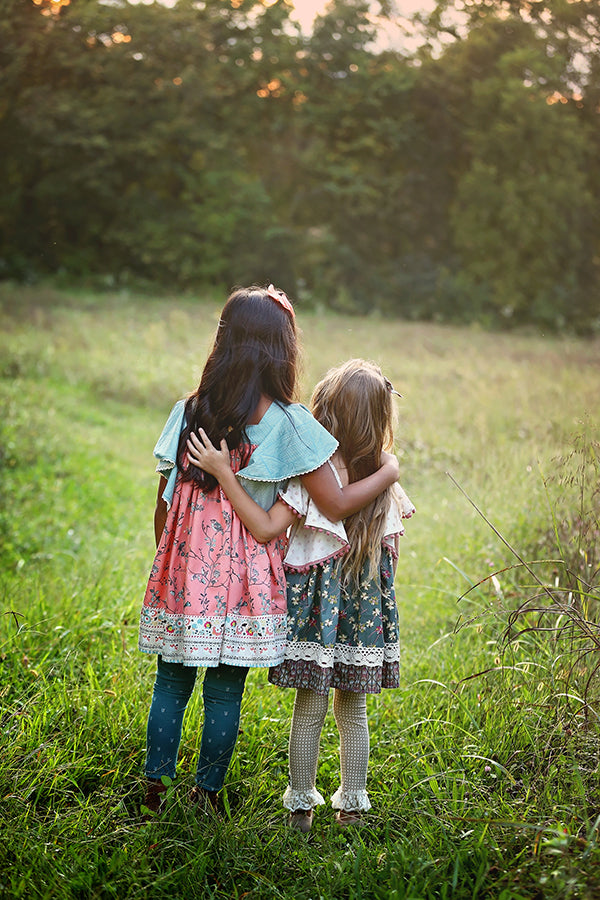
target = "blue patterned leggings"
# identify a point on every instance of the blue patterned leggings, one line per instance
(222, 692)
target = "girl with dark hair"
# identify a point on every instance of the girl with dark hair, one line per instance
(342, 614)
(216, 596)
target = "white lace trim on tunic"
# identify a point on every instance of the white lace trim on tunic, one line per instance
(209, 640)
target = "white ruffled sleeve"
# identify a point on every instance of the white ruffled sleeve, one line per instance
(313, 538)
(400, 508)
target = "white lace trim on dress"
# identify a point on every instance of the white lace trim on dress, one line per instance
(325, 657)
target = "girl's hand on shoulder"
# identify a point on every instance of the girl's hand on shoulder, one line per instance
(390, 461)
(204, 454)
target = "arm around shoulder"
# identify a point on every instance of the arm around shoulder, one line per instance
(337, 503)
(263, 525)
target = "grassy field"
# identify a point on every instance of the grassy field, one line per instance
(484, 765)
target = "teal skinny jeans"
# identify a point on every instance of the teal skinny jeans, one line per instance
(222, 692)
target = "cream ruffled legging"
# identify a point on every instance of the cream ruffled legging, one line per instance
(350, 712)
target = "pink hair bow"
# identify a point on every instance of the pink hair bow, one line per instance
(281, 298)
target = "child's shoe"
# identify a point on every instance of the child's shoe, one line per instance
(154, 798)
(301, 820)
(204, 799)
(346, 817)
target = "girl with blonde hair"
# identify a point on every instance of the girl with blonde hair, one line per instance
(342, 630)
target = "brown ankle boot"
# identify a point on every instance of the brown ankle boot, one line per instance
(347, 817)
(301, 820)
(205, 799)
(154, 798)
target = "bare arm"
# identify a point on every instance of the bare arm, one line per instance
(160, 510)
(263, 524)
(335, 502)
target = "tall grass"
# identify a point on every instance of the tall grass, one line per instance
(483, 785)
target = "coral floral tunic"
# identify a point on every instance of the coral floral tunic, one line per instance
(216, 595)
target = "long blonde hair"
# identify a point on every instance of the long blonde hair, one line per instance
(354, 403)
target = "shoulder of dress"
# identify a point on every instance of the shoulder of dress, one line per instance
(292, 412)
(301, 411)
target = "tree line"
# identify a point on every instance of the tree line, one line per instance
(213, 143)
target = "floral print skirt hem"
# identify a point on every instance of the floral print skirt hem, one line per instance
(302, 673)
(210, 640)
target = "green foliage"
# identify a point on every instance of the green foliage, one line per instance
(483, 785)
(513, 195)
(212, 144)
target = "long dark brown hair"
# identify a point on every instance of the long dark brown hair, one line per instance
(255, 352)
(354, 403)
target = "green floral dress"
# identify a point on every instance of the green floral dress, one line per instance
(339, 635)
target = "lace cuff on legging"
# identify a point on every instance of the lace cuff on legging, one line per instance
(302, 799)
(351, 801)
